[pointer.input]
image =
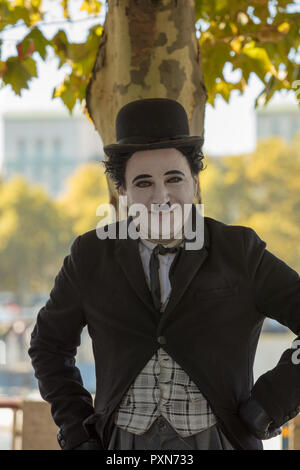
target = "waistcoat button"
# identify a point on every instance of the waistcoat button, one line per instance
(162, 340)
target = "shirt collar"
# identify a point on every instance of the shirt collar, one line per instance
(151, 245)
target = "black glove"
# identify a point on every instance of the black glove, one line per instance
(257, 420)
(91, 444)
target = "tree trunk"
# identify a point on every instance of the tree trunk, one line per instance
(148, 49)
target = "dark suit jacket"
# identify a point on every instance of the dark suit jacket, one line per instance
(221, 295)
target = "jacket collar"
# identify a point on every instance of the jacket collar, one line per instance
(189, 262)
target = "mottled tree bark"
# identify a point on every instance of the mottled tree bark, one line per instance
(148, 49)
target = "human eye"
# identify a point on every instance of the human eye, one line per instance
(141, 184)
(175, 178)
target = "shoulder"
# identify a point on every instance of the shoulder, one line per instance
(237, 242)
(93, 240)
(217, 228)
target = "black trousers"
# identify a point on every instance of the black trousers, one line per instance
(162, 436)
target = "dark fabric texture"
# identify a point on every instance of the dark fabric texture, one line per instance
(91, 444)
(161, 436)
(154, 272)
(221, 295)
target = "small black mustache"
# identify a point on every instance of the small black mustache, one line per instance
(161, 207)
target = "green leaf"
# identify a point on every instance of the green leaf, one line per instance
(259, 60)
(19, 73)
(40, 42)
(60, 45)
(225, 89)
(30, 65)
(69, 99)
(213, 59)
(66, 93)
(3, 68)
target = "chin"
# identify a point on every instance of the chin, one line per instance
(162, 237)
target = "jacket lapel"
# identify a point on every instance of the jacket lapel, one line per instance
(188, 263)
(128, 256)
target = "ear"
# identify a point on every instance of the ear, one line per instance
(195, 180)
(122, 191)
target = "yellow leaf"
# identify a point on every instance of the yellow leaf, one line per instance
(284, 28)
(35, 17)
(236, 44)
(18, 3)
(260, 59)
(233, 28)
(99, 30)
(64, 4)
(84, 6)
(59, 90)
(91, 6)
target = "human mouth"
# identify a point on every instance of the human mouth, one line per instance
(161, 208)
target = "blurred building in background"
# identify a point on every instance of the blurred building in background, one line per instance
(46, 148)
(278, 120)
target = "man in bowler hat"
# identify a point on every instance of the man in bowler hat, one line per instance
(174, 326)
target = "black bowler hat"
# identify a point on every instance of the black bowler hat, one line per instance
(152, 123)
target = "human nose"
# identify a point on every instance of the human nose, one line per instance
(160, 195)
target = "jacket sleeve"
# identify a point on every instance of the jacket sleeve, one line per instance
(53, 347)
(276, 291)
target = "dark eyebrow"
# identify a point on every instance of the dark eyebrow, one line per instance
(139, 177)
(149, 176)
(174, 171)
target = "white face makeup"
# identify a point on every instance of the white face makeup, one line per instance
(160, 180)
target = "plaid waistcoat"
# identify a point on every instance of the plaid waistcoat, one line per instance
(163, 387)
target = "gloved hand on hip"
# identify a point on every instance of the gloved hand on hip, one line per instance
(257, 420)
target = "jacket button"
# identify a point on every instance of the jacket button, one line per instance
(62, 443)
(162, 340)
(298, 409)
(285, 419)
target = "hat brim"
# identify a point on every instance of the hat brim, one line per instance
(123, 148)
